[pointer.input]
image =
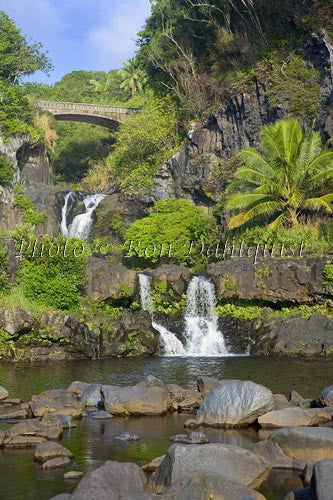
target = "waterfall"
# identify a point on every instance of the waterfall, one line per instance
(172, 346)
(201, 335)
(69, 201)
(82, 223)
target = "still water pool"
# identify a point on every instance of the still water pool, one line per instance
(92, 441)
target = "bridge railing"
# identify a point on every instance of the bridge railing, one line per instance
(79, 106)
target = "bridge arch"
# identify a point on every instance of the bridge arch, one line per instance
(98, 114)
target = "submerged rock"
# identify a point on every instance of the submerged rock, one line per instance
(50, 450)
(55, 463)
(100, 414)
(73, 474)
(235, 404)
(193, 438)
(227, 461)
(127, 436)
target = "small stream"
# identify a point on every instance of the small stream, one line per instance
(92, 441)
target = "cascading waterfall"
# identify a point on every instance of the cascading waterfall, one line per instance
(82, 223)
(201, 336)
(70, 200)
(172, 346)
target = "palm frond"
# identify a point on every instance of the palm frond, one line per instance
(244, 200)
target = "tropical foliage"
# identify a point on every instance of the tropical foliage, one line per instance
(292, 174)
(132, 77)
(169, 230)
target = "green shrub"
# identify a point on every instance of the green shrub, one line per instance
(30, 214)
(328, 275)
(52, 278)
(168, 232)
(6, 171)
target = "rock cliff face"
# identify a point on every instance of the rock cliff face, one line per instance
(189, 173)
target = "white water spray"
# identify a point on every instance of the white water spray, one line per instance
(82, 223)
(69, 200)
(172, 346)
(202, 335)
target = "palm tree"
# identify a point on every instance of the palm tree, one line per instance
(132, 77)
(292, 173)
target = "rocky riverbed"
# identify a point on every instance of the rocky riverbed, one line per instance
(293, 434)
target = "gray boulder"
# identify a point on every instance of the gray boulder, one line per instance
(293, 417)
(272, 452)
(235, 404)
(78, 388)
(193, 438)
(230, 462)
(151, 381)
(50, 450)
(322, 480)
(108, 281)
(326, 397)
(305, 443)
(136, 400)
(92, 395)
(113, 481)
(127, 436)
(202, 486)
(15, 321)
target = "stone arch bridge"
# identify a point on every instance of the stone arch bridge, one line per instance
(98, 114)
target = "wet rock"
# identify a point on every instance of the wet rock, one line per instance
(322, 480)
(326, 397)
(193, 438)
(151, 381)
(190, 423)
(136, 400)
(73, 474)
(20, 442)
(50, 450)
(202, 486)
(78, 388)
(20, 433)
(293, 417)
(3, 393)
(92, 395)
(235, 404)
(19, 414)
(184, 399)
(174, 277)
(100, 414)
(64, 421)
(153, 465)
(127, 436)
(272, 452)
(11, 402)
(113, 480)
(305, 443)
(230, 462)
(55, 463)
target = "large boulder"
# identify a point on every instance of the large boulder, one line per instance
(202, 486)
(113, 481)
(15, 321)
(326, 397)
(78, 388)
(272, 452)
(108, 281)
(58, 401)
(183, 399)
(229, 462)
(30, 433)
(305, 443)
(172, 277)
(322, 480)
(293, 417)
(136, 400)
(236, 403)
